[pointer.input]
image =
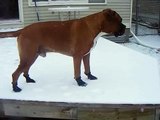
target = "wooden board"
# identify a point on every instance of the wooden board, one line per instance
(36, 109)
(78, 110)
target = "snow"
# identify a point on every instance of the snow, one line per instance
(11, 29)
(125, 76)
(151, 40)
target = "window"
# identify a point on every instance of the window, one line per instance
(66, 2)
(39, 0)
(9, 9)
(96, 1)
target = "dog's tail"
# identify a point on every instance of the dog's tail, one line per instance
(10, 34)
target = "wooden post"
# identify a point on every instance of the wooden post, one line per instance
(1, 110)
(157, 114)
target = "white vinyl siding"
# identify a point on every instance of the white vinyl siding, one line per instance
(66, 2)
(123, 7)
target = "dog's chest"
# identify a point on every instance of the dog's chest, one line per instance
(95, 41)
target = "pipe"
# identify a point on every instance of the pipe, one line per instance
(159, 22)
(143, 44)
(137, 16)
(36, 9)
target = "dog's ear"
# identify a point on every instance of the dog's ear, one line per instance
(109, 14)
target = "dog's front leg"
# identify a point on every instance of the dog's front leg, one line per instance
(86, 62)
(77, 71)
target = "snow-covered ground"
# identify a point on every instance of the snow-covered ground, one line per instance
(125, 76)
(151, 40)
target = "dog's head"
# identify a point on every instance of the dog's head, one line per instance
(112, 23)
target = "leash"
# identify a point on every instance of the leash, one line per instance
(36, 9)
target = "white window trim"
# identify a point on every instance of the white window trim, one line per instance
(20, 4)
(50, 2)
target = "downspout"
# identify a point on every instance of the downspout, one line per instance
(36, 9)
(159, 22)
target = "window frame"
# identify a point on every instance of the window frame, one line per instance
(51, 2)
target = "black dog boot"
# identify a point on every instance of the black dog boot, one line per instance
(28, 79)
(15, 87)
(80, 82)
(90, 76)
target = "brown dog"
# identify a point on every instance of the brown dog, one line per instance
(73, 38)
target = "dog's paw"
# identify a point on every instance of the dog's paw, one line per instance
(90, 76)
(16, 88)
(28, 79)
(80, 82)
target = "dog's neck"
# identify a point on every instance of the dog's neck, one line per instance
(94, 22)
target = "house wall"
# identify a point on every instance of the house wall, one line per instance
(123, 7)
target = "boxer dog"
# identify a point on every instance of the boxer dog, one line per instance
(74, 38)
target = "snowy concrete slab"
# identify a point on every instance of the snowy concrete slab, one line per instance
(151, 40)
(124, 76)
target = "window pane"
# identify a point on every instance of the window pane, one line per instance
(39, 0)
(60, 0)
(9, 9)
(96, 1)
(71, 0)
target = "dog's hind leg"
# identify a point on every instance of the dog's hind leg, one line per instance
(27, 55)
(86, 62)
(16, 75)
(26, 70)
(24, 66)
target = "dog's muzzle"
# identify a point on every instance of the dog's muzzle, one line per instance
(120, 31)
